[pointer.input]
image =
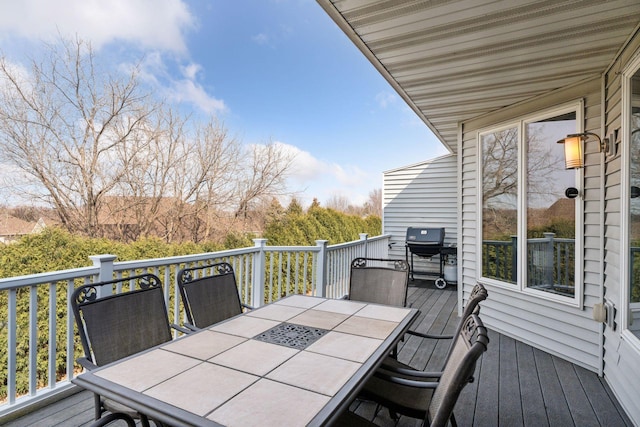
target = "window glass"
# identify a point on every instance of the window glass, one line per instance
(550, 215)
(634, 206)
(500, 204)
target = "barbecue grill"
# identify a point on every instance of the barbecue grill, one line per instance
(426, 243)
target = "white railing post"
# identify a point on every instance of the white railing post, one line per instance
(257, 285)
(364, 236)
(105, 266)
(321, 268)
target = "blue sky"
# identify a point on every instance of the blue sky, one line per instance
(270, 70)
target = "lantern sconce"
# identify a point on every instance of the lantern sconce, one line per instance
(573, 147)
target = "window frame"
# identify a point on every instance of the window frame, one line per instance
(520, 123)
(625, 241)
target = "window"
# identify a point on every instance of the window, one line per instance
(500, 204)
(528, 224)
(632, 200)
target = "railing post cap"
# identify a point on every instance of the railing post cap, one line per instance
(260, 242)
(98, 259)
(322, 242)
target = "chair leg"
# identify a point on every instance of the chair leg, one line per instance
(144, 420)
(97, 403)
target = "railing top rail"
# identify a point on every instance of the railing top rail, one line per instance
(124, 265)
(357, 242)
(70, 274)
(547, 240)
(47, 277)
(292, 248)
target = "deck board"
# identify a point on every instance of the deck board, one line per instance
(509, 385)
(533, 409)
(515, 384)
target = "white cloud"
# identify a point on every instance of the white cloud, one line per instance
(323, 180)
(261, 39)
(155, 24)
(183, 88)
(384, 99)
(192, 92)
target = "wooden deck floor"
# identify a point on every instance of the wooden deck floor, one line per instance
(516, 385)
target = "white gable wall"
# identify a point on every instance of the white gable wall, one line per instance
(420, 195)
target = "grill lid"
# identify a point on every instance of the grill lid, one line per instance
(425, 236)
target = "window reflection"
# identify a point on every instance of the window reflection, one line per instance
(500, 204)
(550, 214)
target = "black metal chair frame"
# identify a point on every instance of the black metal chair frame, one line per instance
(381, 284)
(443, 387)
(391, 364)
(209, 294)
(477, 295)
(98, 310)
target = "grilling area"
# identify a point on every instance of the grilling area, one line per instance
(426, 243)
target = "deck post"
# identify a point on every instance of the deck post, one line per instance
(105, 265)
(257, 276)
(364, 236)
(321, 268)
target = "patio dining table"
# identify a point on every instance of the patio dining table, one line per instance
(298, 361)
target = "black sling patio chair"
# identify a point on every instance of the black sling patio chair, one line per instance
(379, 281)
(116, 325)
(477, 295)
(432, 400)
(372, 393)
(209, 294)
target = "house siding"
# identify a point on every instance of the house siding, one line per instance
(561, 329)
(621, 355)
(420, 195)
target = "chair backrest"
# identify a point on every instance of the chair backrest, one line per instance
(478, 294)
(470, 343)
(209, 293)
(379, 280)
(116, 325)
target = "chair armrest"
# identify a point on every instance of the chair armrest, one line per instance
(185, 330)
(86, 363)
(415, 374)
(429, 336)
(405, 381)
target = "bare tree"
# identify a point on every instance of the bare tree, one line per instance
(262, 175)
(339, 203)
(114, 161)
(60, 123)
(373, 206)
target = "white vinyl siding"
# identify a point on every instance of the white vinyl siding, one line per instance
(622, 354)
(420, 195)
(560, 329)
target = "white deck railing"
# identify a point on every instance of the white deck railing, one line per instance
(39, 363)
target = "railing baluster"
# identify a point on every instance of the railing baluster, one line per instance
(33, 340)
(12, 346)
(52, 334)
(70, 338)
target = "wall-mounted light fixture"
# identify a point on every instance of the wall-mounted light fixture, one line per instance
(573, 148)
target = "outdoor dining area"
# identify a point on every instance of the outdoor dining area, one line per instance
(393, 351)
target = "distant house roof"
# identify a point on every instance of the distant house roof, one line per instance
(12, 227)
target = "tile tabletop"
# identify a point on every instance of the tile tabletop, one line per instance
(236, 374)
